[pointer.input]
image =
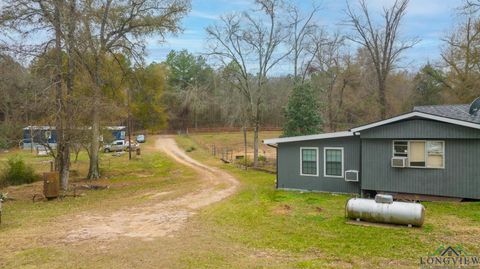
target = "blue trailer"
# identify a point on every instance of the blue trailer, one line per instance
(35, 136)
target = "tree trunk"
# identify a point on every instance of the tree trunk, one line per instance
(65, 169)
(382, 98)
(330, 110)
(256, 129)
(62, 158)
(77, 152)
(93, 170)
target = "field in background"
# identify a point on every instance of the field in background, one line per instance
(230, 145)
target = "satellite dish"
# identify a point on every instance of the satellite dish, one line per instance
(475, 106)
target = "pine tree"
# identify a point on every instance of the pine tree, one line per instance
(428, 85)
(302, 116)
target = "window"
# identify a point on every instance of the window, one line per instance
(48, 135)
(421, 154)
(435, 154)
(333, 162)
(400, 148)
(417, 154)
(309, 161)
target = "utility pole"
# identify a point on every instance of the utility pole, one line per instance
(129, 126)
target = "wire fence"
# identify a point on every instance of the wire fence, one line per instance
(212, 130)
(238, 158)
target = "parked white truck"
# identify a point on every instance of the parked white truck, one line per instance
(119, 145)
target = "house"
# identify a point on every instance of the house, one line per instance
(118, 132)
(34, 136)
(431, 151)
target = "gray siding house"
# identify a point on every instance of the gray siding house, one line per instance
(431, 151)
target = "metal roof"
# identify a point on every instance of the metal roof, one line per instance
(45, 127)
(417, 114)
(458, 117)
(457, 112)
(274, 141)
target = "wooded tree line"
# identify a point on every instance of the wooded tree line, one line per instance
(356, 75)
(83, 67)
(86, 68)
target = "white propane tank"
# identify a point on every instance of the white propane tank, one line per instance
(386, 212)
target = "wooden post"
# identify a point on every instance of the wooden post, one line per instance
(245, 146)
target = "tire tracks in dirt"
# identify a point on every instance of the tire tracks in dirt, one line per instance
(157, 218)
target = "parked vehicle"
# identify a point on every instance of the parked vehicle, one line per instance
(134, 145)
(117, 145)
(141, 138)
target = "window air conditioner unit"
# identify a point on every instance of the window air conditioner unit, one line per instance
(351, 175)
(399, 162)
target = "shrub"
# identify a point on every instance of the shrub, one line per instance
(190, 149)
(262, 158)
(17, 172)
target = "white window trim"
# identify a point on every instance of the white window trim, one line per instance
(443, 154)
(301, 162)
(48, 135)
(393, 146)
(426, 153)
(325, 162)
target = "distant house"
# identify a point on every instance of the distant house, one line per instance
(118, 132)
(431, 151)
(34, 136)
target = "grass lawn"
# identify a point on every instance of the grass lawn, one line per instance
(234, 141)
(257, 227)
(28, 230)
(309, 229)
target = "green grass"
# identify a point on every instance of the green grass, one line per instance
(313, 225)
(258, 227)
(23, 221)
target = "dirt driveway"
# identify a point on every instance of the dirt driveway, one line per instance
(157, 218)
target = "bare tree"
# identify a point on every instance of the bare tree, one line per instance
(108, 27)
(470, 6)
(306, 39)
(332, 74)
(381, 41)
(249, 44)
(460, 54)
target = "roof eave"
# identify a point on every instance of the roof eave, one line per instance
(276, 141)
(416, 114)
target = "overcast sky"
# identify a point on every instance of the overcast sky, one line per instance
(429, 20)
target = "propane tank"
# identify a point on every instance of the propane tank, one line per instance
(384, 210)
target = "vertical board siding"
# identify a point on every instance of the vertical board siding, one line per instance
(459, 178)
(289, 166)
(421, 129)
